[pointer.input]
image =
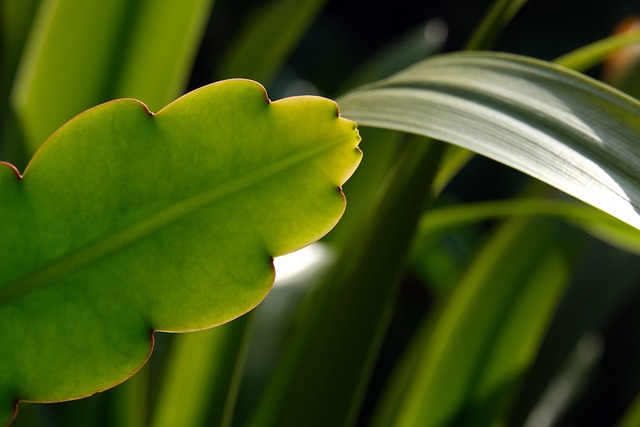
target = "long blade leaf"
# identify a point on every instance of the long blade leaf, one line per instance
(442, 219)
(80, 54)
(268, 37)
(193, 386)
(590, 55)
(554, 124)
(496, 18)
(486, 335)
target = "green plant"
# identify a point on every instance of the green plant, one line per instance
(126, 222)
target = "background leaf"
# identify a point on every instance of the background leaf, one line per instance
(442, 219)
(15, 22)
(80, 54)
(194, 386)
(119, 228)
(594, 53)
(271, 32)
(477, 348)
(494, 21)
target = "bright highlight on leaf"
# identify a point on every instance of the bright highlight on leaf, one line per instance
(125, 223)
(554, 124)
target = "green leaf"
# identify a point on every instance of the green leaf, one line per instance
(491, 26)
(268, 37)
(476, 350)
(126, 223)
(580, 59)
(80, 54)
(15, 22)
(444, 218)
(16, 18)
(483, 37)
(158, 71)
(129, 401)
(554, 124)
(201, 377)
(592, 54)
(632, 417)
(382, 148)
(339, 330)
(604, 282)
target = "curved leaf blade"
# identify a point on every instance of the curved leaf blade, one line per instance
(486, 336)
(602, 226)
(112, 57)
(259, 52)
(592, 54)
(498, 16)
(126, 223)
(554, 124)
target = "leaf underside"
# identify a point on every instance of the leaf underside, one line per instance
(127, 222)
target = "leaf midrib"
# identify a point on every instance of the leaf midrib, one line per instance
(103, 247)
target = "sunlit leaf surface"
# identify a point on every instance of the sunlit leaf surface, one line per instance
(552, 123)
(126, 222)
